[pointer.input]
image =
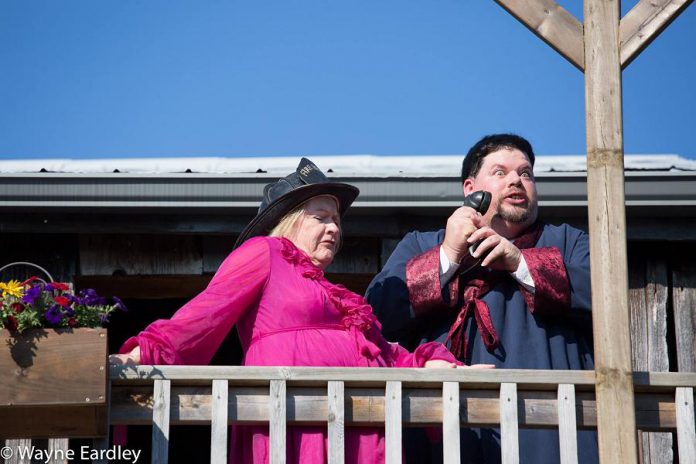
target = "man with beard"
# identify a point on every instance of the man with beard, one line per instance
(519, 299)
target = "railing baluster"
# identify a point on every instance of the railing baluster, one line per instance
(336, 422)
(450, 422)
(58, 447)
(686, 435)
(567, 424)
(278, 415)
(160, 421)
(392, 422)
(103, 443)
(218, 434)
(509, 440)
(13, 456)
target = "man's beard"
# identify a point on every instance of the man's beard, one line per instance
(516, 214)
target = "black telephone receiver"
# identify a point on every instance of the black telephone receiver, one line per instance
(480, 201)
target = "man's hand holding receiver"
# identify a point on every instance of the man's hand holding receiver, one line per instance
(502, 254)
(460, 226)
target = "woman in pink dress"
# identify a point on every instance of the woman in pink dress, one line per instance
(272, 288)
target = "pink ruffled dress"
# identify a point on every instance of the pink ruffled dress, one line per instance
(287, 314)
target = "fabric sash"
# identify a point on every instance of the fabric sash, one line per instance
(481, 281)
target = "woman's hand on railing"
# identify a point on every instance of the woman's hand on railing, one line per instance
(477, 366)
(127, 359)
(439, 364)
(442, 364)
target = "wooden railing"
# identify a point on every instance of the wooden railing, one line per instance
(164, 396)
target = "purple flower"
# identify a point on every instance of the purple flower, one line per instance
(54, 315)
(32, 294)
(90, 298)
(119, 304)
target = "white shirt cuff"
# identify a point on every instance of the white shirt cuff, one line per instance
(447, 268)
(523, 277)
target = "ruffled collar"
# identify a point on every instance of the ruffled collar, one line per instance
(355, 309)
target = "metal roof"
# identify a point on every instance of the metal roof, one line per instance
(414, 183)
(397, 194)
(353, 165)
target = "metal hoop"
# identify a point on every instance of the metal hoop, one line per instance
(25, 263)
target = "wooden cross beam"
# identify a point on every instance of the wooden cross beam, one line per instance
(564, 33)
(553, 24)
(640, 26)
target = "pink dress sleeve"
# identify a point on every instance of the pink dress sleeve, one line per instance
(196, 330)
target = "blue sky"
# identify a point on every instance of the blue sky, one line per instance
(85, 79)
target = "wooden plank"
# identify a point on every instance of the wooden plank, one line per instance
(54, 383)
(13, 455)
(57, 255)
(41, 365)
(567, 432)
(607, 227)
(357, 256)
(388, 247)
(509, 438)
(392, 423)
(139, 254)
(260, 375)
(215, 249)
(58, 450)
(365, 407)
(59, 421)
(160, 421)
(102, 443)
(638, 310)
(278, 419)
(450, 422)
(526, 379)
(648, 295)
(336, 422)
(686, 433)
(646, 20)
(146, 287)
(684, 303)
(552, 24)
(218, 435)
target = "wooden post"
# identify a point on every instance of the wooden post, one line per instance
(607, 226)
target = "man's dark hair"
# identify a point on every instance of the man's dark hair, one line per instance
(487, 145)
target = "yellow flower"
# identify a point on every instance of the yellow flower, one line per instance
(12, 288)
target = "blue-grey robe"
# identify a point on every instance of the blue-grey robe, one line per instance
(559, 337)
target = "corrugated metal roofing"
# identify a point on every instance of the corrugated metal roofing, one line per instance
(353, 165)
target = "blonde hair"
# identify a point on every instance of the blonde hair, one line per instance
(286, 225)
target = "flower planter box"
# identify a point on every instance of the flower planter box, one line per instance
(53, 383)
